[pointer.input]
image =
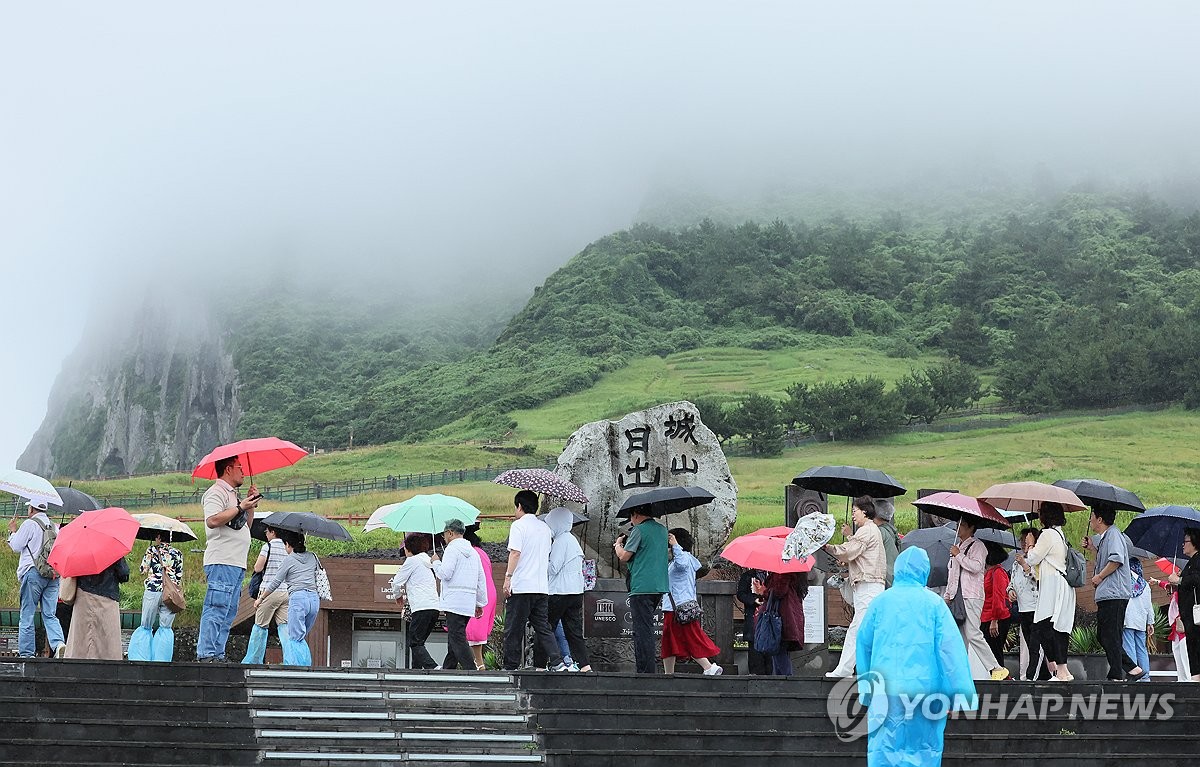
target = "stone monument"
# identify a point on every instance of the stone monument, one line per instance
(665, 446)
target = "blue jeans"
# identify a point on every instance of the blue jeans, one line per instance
(302, 613)
(1134, 644)
(560, 636)
(152, 606)
(38, 591)
(220, 608)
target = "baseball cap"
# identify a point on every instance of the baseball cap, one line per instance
(39, 505)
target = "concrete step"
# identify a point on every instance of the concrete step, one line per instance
(369, 759)
(52, 751)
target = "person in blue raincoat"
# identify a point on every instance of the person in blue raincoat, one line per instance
(912, 669)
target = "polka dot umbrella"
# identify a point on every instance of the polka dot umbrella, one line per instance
(542, 481)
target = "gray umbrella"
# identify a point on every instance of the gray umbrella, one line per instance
(937, 542)
(307, 523)
(74, 502)
(999, 537)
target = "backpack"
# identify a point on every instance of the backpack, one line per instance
(41, 561)
(768, 628)
(1076, 572)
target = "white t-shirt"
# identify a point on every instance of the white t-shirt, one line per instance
(530, 536)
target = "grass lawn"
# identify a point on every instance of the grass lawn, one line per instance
(648, 381)
(1156, 455)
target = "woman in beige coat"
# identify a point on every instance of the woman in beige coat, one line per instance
(864, 553)
(1055, 614)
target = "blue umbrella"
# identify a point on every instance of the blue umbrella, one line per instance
(1160, 529)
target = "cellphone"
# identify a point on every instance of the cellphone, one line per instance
(255, 498)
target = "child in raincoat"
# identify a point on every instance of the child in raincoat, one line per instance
(909, 645)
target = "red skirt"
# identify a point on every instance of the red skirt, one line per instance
(685, 640)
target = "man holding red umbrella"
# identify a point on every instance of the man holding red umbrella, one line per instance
(227, 520)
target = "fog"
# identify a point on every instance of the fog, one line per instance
(482, 144)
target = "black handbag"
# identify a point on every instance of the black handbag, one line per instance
(256, 579)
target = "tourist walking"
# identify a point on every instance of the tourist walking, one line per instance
(749, 588)
(885, 510)
(565, 604)
(227, 520)
(788, 590)
(1114, 588)
(154, 638)
(299, 571)
(415, 586)
(644, 551)
(863, 552)
(275, 606)
(1176, 635)
(479, 629)
(39, 584)
(527, 585)
(1139, 621)
(1055, 614)
(1188, 587)
(996, 617)
(96, 614)
(684, 640)
(1022, 592)
(910, 649)
(968, 561)
(464, 591)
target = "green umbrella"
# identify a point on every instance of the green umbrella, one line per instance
(425, 513)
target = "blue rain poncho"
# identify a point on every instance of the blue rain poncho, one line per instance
(912, 669)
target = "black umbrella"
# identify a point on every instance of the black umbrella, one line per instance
(849, 481)
(1094, 492)
(74, 502)
(1160, 529)
(664, 500)
(1003, 538)
(307, 523)
(937, 542)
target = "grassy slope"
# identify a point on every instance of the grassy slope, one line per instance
(719, 371)
(1154, 454)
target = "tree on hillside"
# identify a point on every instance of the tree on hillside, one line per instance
(852, 409)
(759, 419)
(967, 340)
(715, 417)
(929, 394)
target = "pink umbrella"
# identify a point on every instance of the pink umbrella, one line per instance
(93, 541)
(782, 531)
(764, 552)
(957, 505)
(1029, 496)
(257, 456)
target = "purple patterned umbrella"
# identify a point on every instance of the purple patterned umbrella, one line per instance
(542, 481)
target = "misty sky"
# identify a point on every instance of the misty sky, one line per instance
(185, 144)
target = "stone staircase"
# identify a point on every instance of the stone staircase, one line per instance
(71, 713)
(604, 720)
(321, 718)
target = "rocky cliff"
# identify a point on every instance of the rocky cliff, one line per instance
(158, 393)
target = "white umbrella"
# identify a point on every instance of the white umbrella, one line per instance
(31, 487)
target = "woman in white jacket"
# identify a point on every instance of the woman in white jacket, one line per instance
(464, 590)
(566, 589)
(414, 584)
(1054, 616)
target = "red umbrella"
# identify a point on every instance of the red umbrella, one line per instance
(257, 455)
(764, 552)
(956, 505)
(93, 541)
(782, 531)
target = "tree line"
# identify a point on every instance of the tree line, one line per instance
(856, 408)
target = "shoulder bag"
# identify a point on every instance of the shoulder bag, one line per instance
(256, 578)
(66, 590)
(686, 612)
(172, 595)
(958, 605)
(324, 591)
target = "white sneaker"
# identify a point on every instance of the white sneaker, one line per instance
(60, 651)
(573, 667)
(714, 670)
(561, 667)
